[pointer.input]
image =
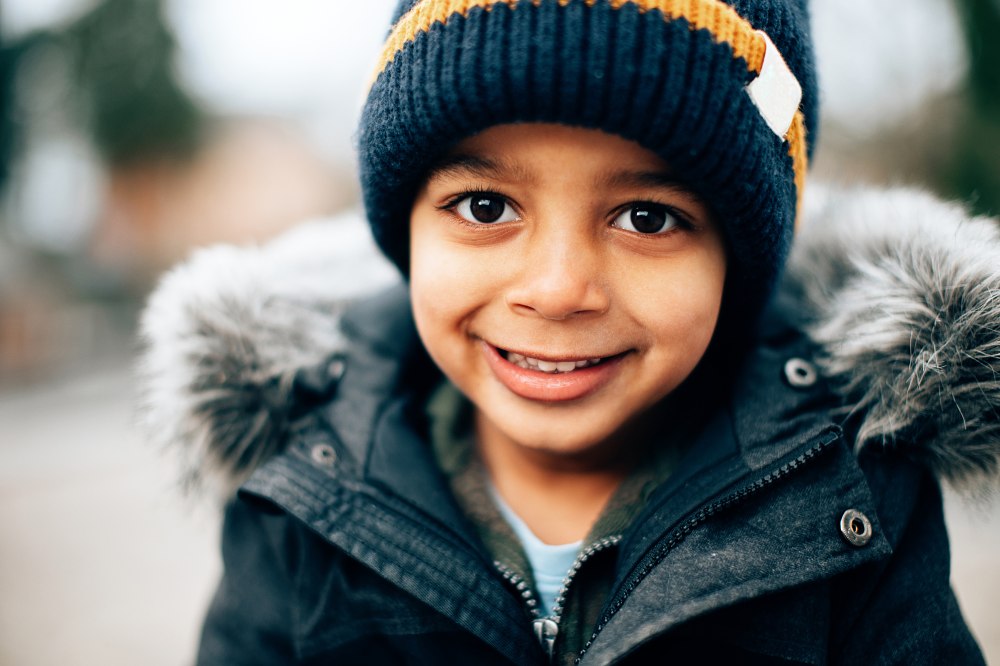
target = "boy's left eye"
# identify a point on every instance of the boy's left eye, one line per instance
(647, 218)
(485, 208)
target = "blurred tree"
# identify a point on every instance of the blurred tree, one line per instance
(122, 54)
(8, 59)
(975, 172)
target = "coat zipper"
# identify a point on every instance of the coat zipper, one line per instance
(546, 628)
(654, 557)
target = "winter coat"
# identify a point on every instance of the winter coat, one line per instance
(804, 525)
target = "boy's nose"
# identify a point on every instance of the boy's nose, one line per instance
(560, 277)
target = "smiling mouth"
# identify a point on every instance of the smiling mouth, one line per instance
(550, 366)
(552, 379)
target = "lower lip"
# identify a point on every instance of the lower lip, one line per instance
(550, 387)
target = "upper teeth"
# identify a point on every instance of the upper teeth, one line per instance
(529, 363)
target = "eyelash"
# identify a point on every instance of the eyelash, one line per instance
(471, 192)
(486, 191)
(683, 220)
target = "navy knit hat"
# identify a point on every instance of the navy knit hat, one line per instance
(702, 83)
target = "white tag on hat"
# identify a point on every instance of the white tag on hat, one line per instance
(775, 91)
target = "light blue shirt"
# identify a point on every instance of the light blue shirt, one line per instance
(549, 564)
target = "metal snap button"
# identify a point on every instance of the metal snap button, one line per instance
(800, 373)
(323, 454)
(855, 527)
(335, 369)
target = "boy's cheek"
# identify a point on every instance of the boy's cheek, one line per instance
(443, 286)
(451, 270)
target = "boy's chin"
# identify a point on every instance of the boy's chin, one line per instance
(569, 448)
(565, 450)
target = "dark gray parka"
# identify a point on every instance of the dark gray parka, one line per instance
(804, 525)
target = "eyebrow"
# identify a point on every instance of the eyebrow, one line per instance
(462, 165)
(642, 179)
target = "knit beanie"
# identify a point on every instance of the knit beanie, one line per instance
(724, 92)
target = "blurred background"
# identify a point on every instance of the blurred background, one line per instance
(132, 131)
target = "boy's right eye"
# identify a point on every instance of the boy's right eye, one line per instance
(485, 208)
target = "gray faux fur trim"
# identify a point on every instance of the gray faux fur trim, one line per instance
(226, 332)
(902, 293)
(905, 294)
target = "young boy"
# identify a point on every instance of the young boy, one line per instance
(575, 435)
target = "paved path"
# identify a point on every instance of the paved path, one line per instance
(101, 564)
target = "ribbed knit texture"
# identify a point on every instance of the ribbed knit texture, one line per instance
(606, 64)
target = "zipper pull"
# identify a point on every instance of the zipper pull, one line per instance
(546, 631)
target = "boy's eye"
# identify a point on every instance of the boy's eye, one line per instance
(485, 208)
(647, 218)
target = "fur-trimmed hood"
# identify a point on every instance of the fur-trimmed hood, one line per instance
(900, 291)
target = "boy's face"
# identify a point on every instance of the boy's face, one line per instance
(563, 280)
